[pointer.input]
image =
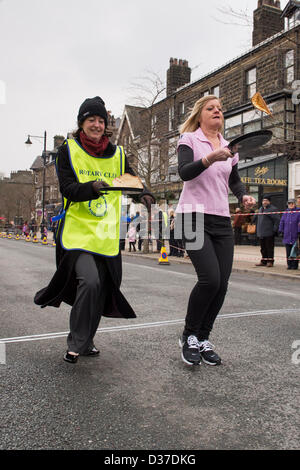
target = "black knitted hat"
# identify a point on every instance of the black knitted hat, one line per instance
(92, 107)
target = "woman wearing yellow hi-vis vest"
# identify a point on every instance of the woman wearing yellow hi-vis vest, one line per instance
(89, 268)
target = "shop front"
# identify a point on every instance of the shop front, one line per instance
(262, 176)
(265, 176)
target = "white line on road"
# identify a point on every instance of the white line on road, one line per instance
(240, 285)
(61, 334)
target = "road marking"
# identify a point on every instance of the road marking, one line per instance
(240, 285)
(161, 270)
(137, 326)
(269, 291)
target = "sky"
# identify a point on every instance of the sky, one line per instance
(56, 53)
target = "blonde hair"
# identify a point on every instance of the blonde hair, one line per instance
(192, 122)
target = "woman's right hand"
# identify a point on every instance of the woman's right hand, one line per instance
(99, 185)
(220, 155)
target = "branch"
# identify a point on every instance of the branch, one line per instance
(242, 17)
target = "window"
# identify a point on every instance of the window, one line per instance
(153, 125)
(172, 151)
(282, 121)
(251, 82)
(216, 91)
(233, 121)
(294, 20)
(251, 115)
(206, 93)
(171, 118)
(181, 108)
(289, 66)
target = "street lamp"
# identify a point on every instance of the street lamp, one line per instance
(28, 142)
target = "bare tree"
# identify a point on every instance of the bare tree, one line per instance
(145, 149)
(232, 17)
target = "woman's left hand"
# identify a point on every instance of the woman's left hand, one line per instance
(248, 202)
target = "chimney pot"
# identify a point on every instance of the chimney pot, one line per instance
(178, 74)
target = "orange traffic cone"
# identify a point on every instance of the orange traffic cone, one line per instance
(28, 239)
(35, 240)
(163, 256)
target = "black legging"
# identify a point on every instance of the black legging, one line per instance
(213, 263)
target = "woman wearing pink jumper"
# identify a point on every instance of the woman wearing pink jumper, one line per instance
(208, 170)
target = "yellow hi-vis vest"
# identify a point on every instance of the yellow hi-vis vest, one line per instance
(94, 226)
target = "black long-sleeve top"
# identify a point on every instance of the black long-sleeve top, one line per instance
(189, 169)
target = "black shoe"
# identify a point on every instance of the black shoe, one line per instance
(190, 353)
(70, 358)
(207, 353)
(93, 352)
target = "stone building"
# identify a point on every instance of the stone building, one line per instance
(16, 198)
(272, 67)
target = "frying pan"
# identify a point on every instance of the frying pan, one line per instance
(125, 190)
(249, 142)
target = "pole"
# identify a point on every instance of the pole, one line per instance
(44, 177)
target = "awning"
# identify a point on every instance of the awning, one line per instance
(258, 160)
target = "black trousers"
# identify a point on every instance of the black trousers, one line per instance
(88, 306)
(267, 249)
(213, 264)
(238, 235)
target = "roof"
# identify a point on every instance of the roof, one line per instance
(239, 57)
(290, 7)
(37, 163)
(132, 114)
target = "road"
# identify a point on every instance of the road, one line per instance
(139, 394)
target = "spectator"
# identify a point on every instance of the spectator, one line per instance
(267, 224)
(290, 228)
(237, 226)
(132, 237)
(25, 229)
